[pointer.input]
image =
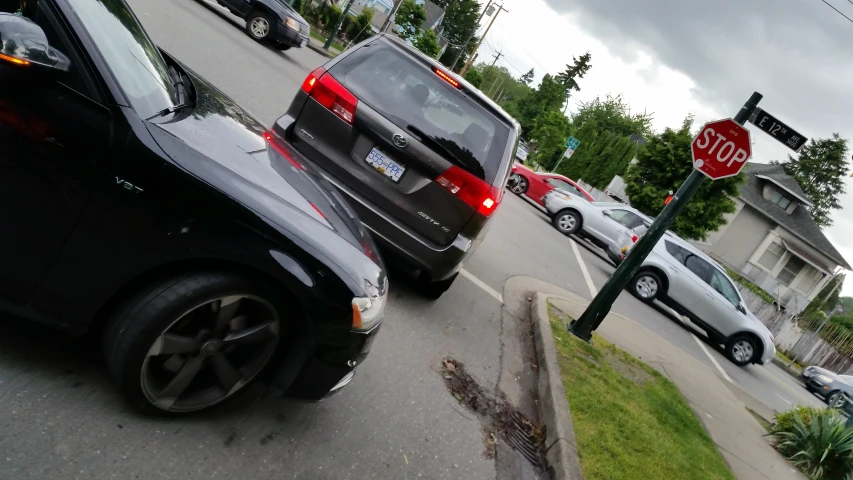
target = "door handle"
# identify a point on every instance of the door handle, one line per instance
(709, 294)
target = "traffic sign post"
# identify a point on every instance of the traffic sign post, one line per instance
(778, 130)
(603, 301)
(571, 145)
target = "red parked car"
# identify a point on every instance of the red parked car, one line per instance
(524, 181)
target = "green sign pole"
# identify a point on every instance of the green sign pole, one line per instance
(601, 304)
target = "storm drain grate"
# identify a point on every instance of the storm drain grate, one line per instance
(522, 435)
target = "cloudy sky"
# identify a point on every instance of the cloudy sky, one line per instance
(673, 57)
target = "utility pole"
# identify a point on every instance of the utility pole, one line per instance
(334, 32)
(387, 24)
(465, 45)
(493, 87)
(497, 56)
(470, 60)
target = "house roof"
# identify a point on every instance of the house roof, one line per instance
(788, 184)
(434, 14)
(800, 222)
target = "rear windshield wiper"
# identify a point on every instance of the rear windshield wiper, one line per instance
(472, 165)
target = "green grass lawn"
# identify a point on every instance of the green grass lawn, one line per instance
(781, 356)
(630, 422)
(323, 39)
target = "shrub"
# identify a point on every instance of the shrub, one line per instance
(823, 449)
(331, 16)
(785, 421)
(298, 6)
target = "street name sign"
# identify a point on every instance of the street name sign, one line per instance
(778, 130)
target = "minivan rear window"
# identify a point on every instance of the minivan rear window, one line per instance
(408, 93)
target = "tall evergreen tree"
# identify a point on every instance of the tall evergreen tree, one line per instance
(820, 170)
(527, 78)
(460, 22)
(568, 77)
(662, 165)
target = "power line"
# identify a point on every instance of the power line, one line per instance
(839, 11)
(522, 48)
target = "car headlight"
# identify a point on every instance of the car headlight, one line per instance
(823, 379)
(367, 312)
(564, 197)
(292, 23)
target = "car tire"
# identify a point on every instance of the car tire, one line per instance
(259, 25)
(647, 286)
(192, 342)
(833, 399)
(521, 185)
(741, 349)
(566, 222)
(434, 290)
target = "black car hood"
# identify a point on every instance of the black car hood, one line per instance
(277, 183)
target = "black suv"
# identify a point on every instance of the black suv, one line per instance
(271, 21)
(422, 155)
(142, 205)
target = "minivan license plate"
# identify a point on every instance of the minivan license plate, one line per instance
(385, 165)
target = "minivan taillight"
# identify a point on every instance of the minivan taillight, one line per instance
(476, 193)
(328, 92)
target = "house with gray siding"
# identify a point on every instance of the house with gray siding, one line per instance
(772, 240)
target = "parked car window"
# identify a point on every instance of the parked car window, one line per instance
(677, 252)
(626, 218)
(724, 287)
(699, 267)
(564, 185)
(409, 94)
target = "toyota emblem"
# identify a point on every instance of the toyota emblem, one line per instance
(400, 140)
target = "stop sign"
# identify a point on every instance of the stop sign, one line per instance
(721, 149)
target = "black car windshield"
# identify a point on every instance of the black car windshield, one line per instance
(132, 58)
(413, 96)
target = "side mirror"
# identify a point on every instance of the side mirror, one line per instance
(741, 309)
(24, 46)
(606, 213)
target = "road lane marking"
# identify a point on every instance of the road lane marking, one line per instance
(783, 399)
(476, 281)
(584, 271)
(713, 360)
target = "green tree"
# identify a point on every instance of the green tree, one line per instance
(527, 78)
(568, 77)
(663, 165)
(359, 29)
(826, 299)
(410, 16)
(474, 77)
(298, 6)
(820, 170)
(460, 22)
(550, 132)
(331, 16)
(613, 114)
(547, 96)
(427, 42)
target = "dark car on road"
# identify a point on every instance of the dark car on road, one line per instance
(145, 208)
(827, 384)
(422, 155)
(271, 21)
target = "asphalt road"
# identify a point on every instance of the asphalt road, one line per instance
(62, 419)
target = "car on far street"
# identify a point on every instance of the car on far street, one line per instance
(535, 185)
(422, 155)
(146, 209)
(827, 384)
(608, 225)
(271, 21)
(680, 276)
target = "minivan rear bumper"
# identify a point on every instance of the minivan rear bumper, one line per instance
(440, 261)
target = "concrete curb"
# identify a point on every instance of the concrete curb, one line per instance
(320, 50)
(779, 363)
(561, 453)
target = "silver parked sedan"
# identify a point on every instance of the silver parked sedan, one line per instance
(827, 384)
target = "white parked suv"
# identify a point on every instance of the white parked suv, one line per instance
(688, 281)
(609, 225)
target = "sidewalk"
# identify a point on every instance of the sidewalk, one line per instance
(737, 435)
(317, 46)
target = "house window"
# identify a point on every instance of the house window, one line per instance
(780, 200)
(792, 268)
(771, 256)
(810, 279)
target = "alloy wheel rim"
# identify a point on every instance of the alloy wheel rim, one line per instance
(260, 27)
(742, 351)
(647, 287)
(519, 186)
(567, 222)
(210, 353)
